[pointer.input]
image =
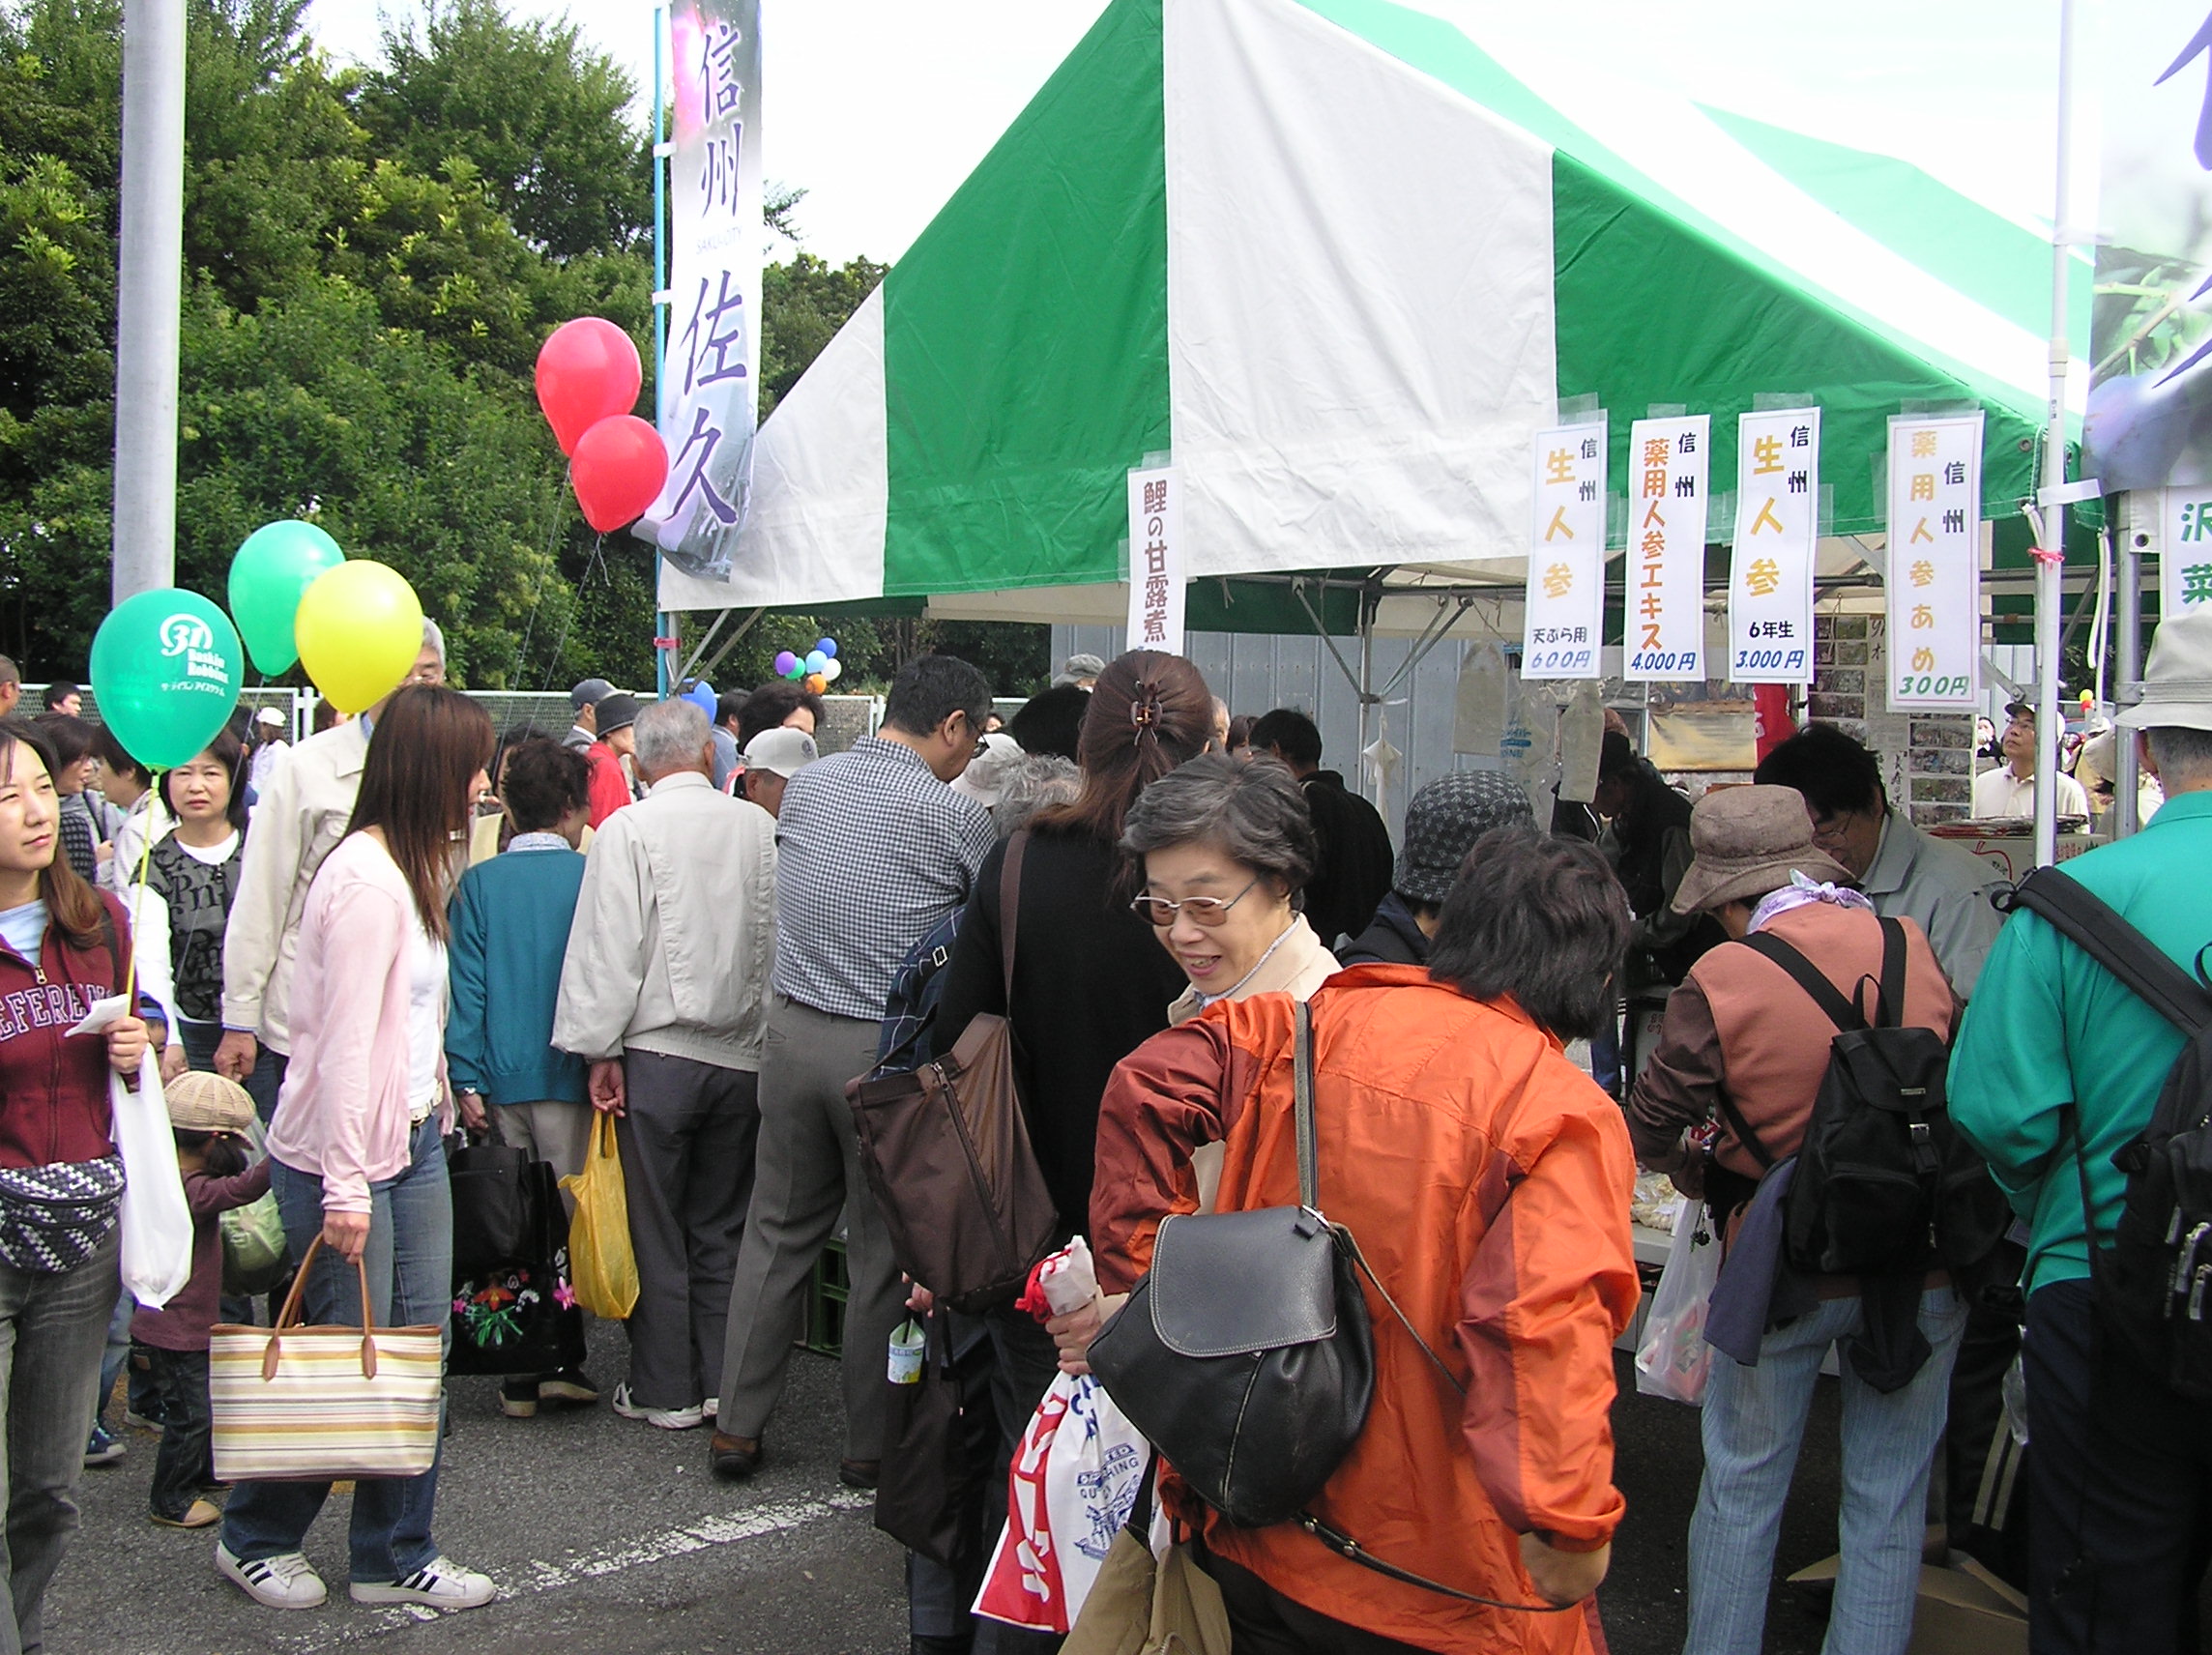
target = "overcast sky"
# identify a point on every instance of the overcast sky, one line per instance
(880, 108)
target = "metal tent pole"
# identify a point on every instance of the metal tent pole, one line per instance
(2127, 668)
(663, 622)
(149, 304)
(2051, 554)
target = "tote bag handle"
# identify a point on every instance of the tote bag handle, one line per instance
(289, 1317)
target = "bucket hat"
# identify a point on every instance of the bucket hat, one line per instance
(1747, 841)
(1444, 821)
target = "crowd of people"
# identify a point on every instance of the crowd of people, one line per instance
(408, 929)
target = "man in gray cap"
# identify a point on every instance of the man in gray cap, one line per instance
(584, 701)
(616, 742)
(2057, 1067)
(1081, 671)
(1441, 826)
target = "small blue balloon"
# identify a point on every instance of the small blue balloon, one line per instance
(701, 696)
(827, 647)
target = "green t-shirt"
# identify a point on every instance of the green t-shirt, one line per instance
(2048, 1027)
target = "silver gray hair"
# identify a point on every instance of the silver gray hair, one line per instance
(670, 736)
(1251, 810)
(1037, 781)
(433, 638)
(2183, 756)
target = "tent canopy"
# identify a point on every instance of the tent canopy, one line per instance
(1340, 263)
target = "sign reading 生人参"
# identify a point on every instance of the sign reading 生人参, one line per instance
(1935, 581)
(1777, 530)
(1666, 578)
(1566, 554)
(709, 398)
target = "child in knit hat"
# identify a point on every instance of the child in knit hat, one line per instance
(211, 1117)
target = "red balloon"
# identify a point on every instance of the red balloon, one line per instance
(587, 372)
(617, 471)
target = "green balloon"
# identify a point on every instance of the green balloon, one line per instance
(274, 565)
(165, 668)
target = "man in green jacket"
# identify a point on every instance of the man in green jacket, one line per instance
(2057, 1063)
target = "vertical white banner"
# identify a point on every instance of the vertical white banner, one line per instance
(1157, 587)
(1566, 554)
(1935, 581)
(2184, 551)
(1663, 635)
(708, 393)
(1777, 532)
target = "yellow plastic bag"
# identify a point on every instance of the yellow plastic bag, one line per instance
(600, 1263)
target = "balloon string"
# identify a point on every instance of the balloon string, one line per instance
(138, 902)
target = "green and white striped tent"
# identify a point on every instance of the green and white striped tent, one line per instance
(1340, 262)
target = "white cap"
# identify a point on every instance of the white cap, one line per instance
(784, 751)
(270, 715)
(984, 780)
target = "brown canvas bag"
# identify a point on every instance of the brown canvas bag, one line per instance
(946, 1152)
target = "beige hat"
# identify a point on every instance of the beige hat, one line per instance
(201, 1102)
(2177, 685)
(783, 750)
(1747, 841)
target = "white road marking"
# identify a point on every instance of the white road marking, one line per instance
(749, 1522)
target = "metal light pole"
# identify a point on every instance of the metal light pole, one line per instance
(2051, 555)
(149, 296)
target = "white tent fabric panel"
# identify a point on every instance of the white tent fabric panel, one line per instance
(1308, 176)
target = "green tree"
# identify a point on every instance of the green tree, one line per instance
(543, 120)
(802, 304)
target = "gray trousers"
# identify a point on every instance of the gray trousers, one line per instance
(809, 1170)
(560, 1133)
(686, 1140)
(52, 1332)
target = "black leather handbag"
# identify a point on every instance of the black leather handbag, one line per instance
(1245, 1354)
(492, 1192)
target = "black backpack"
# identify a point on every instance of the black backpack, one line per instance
(1884, 1183)
(2153, 1280)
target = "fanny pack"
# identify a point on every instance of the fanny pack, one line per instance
(52, 1218)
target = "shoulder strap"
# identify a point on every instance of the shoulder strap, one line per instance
(1301, 1092)
(2087, 921)
(1825, 995)
(1889, 1008)
(1010, 909)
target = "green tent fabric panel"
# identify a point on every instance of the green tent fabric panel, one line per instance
(1650, 311)
(1024, 335)
(1233, 605)
(1999, 264)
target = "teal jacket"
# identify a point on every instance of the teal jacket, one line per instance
(509, 920)
(2048, 1027)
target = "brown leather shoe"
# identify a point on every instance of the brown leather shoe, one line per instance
(860, 1473)
(734, 1458)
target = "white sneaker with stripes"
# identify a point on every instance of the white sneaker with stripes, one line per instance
(439, 1583)
(286, 1581)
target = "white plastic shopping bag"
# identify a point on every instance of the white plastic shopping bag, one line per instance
(1674, 1358)
(157, 1224)
(1073, 1482)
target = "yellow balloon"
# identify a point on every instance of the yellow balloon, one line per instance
(358, 628)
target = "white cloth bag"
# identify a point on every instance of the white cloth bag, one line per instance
(156, 1222)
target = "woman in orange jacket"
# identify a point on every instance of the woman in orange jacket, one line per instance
(1486, 1179)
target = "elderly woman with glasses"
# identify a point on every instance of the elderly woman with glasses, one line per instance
(1226, 846)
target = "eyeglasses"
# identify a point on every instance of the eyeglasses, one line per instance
(1205, 909)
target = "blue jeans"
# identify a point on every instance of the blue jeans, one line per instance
(1753, 1421)
(264, 1081)
(51, 1330)
(410, 1263)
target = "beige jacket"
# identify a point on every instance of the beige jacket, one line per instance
(296, 824)
(675, 930)
(1298, 965)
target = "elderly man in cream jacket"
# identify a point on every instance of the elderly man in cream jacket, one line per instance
(663, 991)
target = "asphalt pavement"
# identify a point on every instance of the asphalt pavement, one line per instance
(606, 1535)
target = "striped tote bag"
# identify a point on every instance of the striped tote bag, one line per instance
(296, 1403)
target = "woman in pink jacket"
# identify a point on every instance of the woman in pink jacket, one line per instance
(357, 1146)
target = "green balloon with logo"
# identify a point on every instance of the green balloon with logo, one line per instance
(166, 666)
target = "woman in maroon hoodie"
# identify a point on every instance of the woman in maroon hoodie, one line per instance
(62, 945)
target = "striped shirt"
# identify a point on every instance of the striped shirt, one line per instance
(872, 851)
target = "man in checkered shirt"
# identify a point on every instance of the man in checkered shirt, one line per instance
(873, 851)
